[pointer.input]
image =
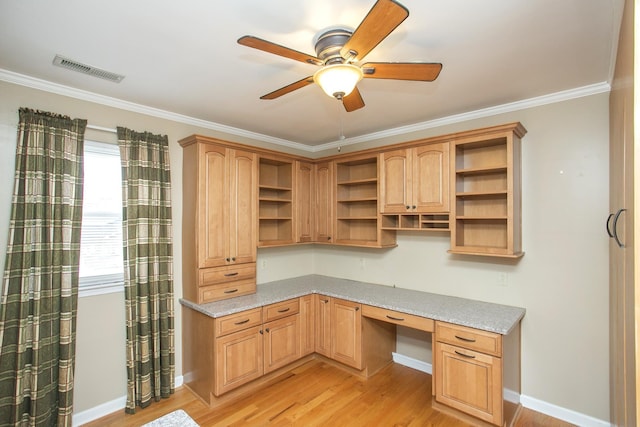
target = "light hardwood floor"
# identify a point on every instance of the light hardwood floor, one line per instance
(319, 394)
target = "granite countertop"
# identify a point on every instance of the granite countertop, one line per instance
(486, 316)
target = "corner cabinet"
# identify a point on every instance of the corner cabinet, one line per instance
(219, 226)
(486, 201)
(357, 215)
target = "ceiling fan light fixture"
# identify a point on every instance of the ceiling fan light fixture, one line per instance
(338, 80)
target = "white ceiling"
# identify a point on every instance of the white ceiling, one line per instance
(182, 57)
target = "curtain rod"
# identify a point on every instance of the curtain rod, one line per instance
(101, 128)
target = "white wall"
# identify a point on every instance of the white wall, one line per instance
(562, 280)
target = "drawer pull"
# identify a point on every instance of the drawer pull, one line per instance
(284, 310)
(465, 339)
(231, 274)
(398, 319)
(468, 356)
(242, 322)
(324, 300)
(231, 291)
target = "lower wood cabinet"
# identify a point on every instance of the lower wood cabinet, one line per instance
(473, 370)
(238, 359)
(344, 335)
(346, 332)
(281, 331)
(307, 325)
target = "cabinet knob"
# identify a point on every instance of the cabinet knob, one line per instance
(329, 238)
(414, 207)
(408, 207)
(227, 259)
(267, 329)
(233, 259)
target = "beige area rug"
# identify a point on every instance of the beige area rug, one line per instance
(177, 418)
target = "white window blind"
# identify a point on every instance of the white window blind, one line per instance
(101, 262)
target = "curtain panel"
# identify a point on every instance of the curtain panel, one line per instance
(148, 265)
(39, 299)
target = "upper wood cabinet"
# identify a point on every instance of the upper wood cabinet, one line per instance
(219, 226)
(305, 217)
(324, 207)
(487, 198)
(415, 180)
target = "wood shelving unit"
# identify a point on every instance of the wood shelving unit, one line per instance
(275, 202)
(417, 222)
(357, 213)
(487, 201)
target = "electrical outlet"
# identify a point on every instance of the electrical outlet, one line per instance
(264, 264)
(503, 279)
(363, 264)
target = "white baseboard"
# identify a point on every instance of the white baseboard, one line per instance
(543, 407)
(563, 414)
(410, 362)
(107, 408)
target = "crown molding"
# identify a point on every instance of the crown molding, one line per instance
(32, 82)
(566, 95)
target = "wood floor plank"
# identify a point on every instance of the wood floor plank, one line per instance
(319, 394)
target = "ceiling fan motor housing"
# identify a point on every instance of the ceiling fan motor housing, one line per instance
(329, 43)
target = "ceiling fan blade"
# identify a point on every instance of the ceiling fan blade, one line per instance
(289, 88)
(277, 49)
(353, 101)
(420, 71)
(381, 20)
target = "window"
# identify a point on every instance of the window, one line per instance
(101, 261)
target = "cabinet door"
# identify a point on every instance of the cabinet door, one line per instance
(242, 203)
(307, 325)
(281, 342)
(324, 203)
(213, 211)
(430, 178)
(238, 359)
(395, 174)
(346, 337)
(323, 324)
(304, 206)
(469, 381)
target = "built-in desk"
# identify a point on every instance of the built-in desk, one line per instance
(476, 354)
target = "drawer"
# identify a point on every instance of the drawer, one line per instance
(238, 321)
(399, 318)
(281, 309)
(226, 274)
(226, 290)
(470, 338)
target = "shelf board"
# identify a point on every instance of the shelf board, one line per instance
(273, 187)
(363, 199)
(480, 171)
(479, 251)
(274, 200)
(480, 194)
(359, 181)
(275, 218)
(482, 218)
(352, 218)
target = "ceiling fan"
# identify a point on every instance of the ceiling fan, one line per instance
(339, 50)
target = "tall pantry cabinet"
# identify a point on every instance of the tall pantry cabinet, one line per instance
(219, 233)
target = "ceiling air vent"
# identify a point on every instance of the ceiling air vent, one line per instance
(63, 62)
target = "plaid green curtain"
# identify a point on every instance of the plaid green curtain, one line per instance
(148, 257)
(40, 283)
